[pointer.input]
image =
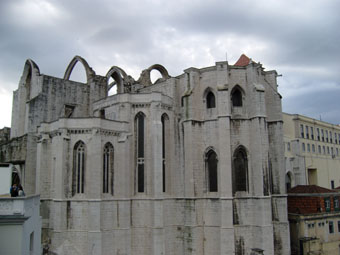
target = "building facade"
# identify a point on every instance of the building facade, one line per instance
(191, 164)
(312, 151)
(314, 218)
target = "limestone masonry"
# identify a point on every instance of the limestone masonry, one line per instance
(192, 164)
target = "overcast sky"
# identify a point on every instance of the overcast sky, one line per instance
(299, 39)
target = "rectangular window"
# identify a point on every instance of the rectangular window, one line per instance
(331, 227)
(332, 151)
(336, 203)
(288, 146)
(318, 133)
(328, 150)
(337, 152)
(335, 140)
(313, 148)
(326, 135)
(303, 147)
(302, 131)
(322, 136)
(332, 184)
(319, 148)
(338, 226)
(324, 149)
(312, 133)
(339, 138)
(32, 243)
(327, 204)
(330, 137)
(308, 147)
(307, 132)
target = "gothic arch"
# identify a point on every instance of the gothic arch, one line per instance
(31, 70)
(211, 168)
(240, 170)
(89, 72)
(209, 98)
(118, 74)
(237, 96)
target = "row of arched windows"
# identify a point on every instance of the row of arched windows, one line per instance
(79, 168)
(236, 98)
(239, 170)
(140, 138)
(239, 163)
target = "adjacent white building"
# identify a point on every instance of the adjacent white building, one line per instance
(20, 225)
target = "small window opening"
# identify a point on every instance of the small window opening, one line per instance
(68, 111)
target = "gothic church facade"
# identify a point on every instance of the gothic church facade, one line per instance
(192, 164)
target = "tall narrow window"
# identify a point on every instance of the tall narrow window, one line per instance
(139, 131)
(108, 169)
(211, 100)
(165, 149)
(78, 180)
(318, 133)
(312, 133)
(307, 132)
(330, 137)
(302, 131)
(236, 97)
(240, 170)
(322, 136)
(211, 168)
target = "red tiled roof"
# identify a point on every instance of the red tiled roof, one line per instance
(243, 61)
(309, 189)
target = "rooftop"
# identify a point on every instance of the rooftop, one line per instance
(309, 189)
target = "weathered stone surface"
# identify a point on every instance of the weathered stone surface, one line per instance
(176, 213)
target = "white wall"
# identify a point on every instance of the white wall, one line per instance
(5, 179)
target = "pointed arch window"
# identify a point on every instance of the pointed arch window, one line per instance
(140, 133)
(165, 149)
(78, 175)
(236, 97)
(211, 169)
(108, 169)
(240, 170)
(211, 102)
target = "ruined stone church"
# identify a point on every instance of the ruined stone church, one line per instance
(192, 164)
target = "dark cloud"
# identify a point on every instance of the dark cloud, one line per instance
(297, 39)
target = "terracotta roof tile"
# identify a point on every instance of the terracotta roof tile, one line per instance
(243, 61)
(309, 189)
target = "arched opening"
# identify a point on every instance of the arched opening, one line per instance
(78, 174)
(288, 181)
(115, 80)
(240, 170)
(140, 135)
(155, 75)
(211, 169)
(108, 173)
(88, 70)
(78, 74)
(236, 97)
(210, 100)
(112, 89)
